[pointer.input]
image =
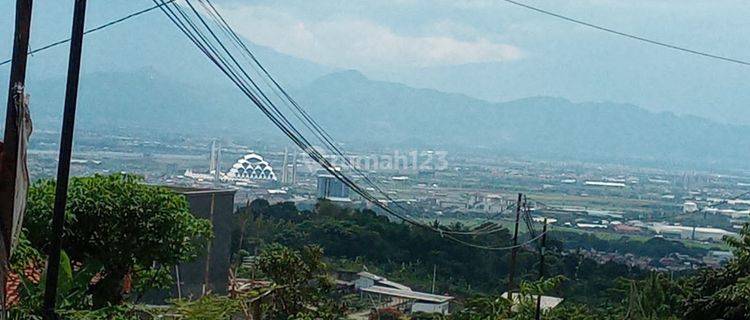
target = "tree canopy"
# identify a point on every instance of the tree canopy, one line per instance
(118, 226)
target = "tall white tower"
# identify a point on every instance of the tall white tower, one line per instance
(214, 162)
(294, 167)
(212, 158)
(284, 167)
(217, 165)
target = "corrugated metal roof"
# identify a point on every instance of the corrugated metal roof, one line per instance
(368, 275)
(383, 280)
(396, 285)
(420, 296)
(546, 303)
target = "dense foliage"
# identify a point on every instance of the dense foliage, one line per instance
(710, 294)
(722, 293)
(409, 253)
(118, 232)
(303, 287)
(591, 290)
(293, 249)
(353, 234)
(653, 248)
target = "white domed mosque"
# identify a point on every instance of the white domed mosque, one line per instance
(251, 167)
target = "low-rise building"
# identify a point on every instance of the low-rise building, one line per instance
(695, 233)
(604, 184)
(401, 295)
(623, 228)
(330, 188)
(545, 302)
(689, 207)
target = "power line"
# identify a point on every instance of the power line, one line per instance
(308, 121)
(520, 245)
(236, 73)
(221, 62)
(108, 24)
(319, 132)
(629, 35)
(527, 218)
(204, 44)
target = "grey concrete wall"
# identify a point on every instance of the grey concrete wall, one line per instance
(211, 267)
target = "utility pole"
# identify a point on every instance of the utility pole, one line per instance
(9, 160)
(434, 275)
(63, 167)
(514, 250)
(542, 252)
(11, 134)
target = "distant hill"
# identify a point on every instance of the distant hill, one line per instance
(356, 108)
(362, 112)
(145, 103)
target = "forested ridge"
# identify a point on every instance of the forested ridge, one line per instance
(297, 253)
(361, 238)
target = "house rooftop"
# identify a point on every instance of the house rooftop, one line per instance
(547, 302)
(408, 294)
(193, 190)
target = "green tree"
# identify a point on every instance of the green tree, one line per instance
(386, 314)
(485, 308)
(117, 225)
(251, 212)
(302, 285)
(722, 293)
(498, 307)
(656, 297)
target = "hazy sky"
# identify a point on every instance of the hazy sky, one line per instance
(484, 48)
(397, 33)
(498, 51)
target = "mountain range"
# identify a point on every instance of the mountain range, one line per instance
(358, 111)
(144, 77)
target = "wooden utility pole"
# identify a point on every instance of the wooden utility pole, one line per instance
(10, 139)
(514, 250)
(63, 166)
(542, 251)
(9, 150)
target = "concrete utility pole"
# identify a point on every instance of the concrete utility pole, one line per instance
(434, 275)
(542, 251)
(514, 251)
(63, 167)
(9, 150)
